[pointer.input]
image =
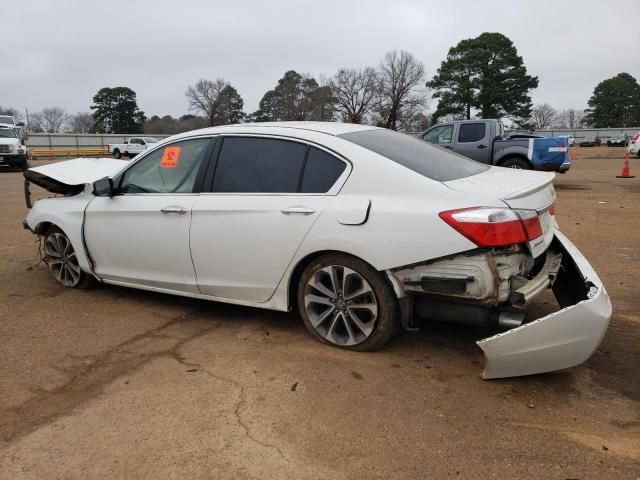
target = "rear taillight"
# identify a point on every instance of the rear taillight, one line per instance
(552, 209)
(494, 227)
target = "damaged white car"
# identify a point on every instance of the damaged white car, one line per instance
(362, 229)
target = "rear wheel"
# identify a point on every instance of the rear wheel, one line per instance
(61, 258)
(117, 154)
(517, 163)
(346, 303)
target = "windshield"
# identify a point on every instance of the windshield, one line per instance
(421, 157)
(7, 133)
(150, 140)
(6, 119)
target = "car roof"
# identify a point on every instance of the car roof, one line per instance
(330, 128)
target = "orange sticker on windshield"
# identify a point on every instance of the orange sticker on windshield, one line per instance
(170, 157)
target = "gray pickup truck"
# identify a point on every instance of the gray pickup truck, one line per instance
(485, 141)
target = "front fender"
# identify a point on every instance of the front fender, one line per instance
(67, 213)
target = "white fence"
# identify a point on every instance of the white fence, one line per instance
(583, 133)
(77, 140)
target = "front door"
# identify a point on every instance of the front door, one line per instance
(140, 236)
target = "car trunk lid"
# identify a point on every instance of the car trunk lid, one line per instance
(520, 189)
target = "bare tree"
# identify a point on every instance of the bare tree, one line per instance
(399, 98)
(354, 92)
(53, 119)
(543, 116)
(204, 95)
(571, 118)
(82, 122)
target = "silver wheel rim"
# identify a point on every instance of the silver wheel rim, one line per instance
(61, 259)
(340, 305)
(516, 166)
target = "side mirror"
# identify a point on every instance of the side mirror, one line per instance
(103, 187)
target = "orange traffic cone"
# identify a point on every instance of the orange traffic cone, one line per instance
(626, 173)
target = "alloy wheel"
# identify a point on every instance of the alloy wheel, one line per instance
(341, 305)
(61, 259)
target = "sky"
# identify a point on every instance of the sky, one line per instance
(60, 53)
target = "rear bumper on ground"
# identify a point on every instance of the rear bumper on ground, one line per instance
(564, 167)
(563, 339)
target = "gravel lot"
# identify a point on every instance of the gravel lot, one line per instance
(119, 383)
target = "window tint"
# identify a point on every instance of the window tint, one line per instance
(170, 169)
(439, 135)
(432, 162)
(471, 132)
(135, 141)
(259, 165)
(321, 172)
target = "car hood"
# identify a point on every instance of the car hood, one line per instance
(69, 177)
(9, 141)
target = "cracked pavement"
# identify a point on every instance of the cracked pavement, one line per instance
(112, 382)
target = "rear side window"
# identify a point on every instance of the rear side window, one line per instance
(471, 132)
(321, 172)
(421, 157)
(259, 165)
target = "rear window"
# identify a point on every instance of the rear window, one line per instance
(417, 155)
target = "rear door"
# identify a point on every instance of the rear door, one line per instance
(265, 195)
(473, 141)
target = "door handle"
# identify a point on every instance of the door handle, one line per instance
(298, 211)
(178, 210)
(482, 146)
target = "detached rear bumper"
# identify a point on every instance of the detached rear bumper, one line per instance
(563, 339)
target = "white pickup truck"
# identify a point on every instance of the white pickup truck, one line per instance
(134, 146)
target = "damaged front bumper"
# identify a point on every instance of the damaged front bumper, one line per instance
(562, 339)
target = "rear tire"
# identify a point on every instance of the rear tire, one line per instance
(517, 163)
(60, 257)
(346, 303)
(117, 154)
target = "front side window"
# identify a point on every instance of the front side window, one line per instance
(136, 141)
(439, 135)
(471, 132)
(259, 165)
(170, 169)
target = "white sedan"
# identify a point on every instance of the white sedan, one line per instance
(361, 229)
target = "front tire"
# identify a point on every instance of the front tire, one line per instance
(517, 163)
(346, 303)
(62, 261)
